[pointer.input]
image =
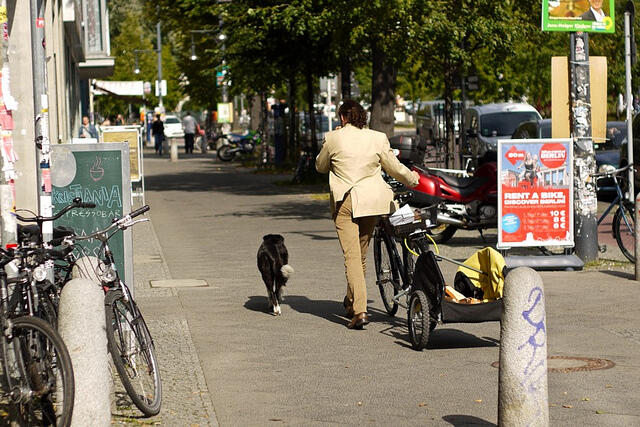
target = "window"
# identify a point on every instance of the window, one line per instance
(504, 124)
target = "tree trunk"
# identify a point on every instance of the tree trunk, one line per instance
(383, 98)
(264, 114)
(255, 112)
(312, 116)
(345, 77)
(450, 155)
(293, 129)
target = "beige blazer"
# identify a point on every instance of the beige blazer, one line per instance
(354, 159)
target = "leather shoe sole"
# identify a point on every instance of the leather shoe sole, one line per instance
(358, 321)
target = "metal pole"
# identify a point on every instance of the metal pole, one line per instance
(8, 231)
(629, 15)
(41, 112)
(159, 39)
(584, 165)
(629, 95)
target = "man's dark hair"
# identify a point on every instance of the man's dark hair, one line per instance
(158, 116)
(353, 113)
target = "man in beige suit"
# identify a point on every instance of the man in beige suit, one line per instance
(354, 157)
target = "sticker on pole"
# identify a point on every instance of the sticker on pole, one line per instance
(535, 193)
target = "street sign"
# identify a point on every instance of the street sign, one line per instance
(225, 112)
(472, 83)
(161, 89)
(535, 193)
(576, 16)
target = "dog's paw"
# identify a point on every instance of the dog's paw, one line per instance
(277, 311)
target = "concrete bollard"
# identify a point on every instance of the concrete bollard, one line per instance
(81, 323)
(174, 150)
(523, 398)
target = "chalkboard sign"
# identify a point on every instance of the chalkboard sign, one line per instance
(97, 173)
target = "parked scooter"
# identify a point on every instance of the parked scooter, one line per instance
(234, 144)
(470, 203)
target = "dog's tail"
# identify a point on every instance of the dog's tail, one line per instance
(286, 271)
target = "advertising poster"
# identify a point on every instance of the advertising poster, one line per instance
(578, 15)
(535, 192)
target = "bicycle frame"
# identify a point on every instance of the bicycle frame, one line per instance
(618, 201)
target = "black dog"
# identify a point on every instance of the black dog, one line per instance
(273, 264)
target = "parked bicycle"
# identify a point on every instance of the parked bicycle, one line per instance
(622, 225)
(130, 342)
(38, 383)
(305, 168)
(623, 220)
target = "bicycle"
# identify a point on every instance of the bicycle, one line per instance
(304, 167)
(129, 340)
(38, 386)
(623, 220)
(622, 226)
(394, 274)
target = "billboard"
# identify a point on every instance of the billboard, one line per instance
(578, 15)
(535, 192)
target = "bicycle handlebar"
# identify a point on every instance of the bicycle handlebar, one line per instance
(122, 223)
(612, 173)
(77, 203)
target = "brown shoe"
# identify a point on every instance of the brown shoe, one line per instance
(358, 321)
(348, 307)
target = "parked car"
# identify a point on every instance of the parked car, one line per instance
(608, 154)
(485, 124)
(533, 129)
(173, 126)
(624, 154)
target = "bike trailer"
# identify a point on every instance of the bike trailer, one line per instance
(444, 306)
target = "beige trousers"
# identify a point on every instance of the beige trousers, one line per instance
(354, 235)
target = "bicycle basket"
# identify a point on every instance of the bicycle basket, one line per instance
(424, 219)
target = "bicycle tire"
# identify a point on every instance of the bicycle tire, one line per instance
(37, 366)
(131, 347)
(419, 320)
(624, 232)
(387, 272)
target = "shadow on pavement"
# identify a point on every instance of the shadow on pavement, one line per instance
(447, 338)
(329, 310)
(466, 420)
(620, 274)
(306, 209)
(332, 311)
(229, 179)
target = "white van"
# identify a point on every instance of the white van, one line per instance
(485, 124)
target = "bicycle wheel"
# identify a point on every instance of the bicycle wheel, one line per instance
(133, 353)
(38, 375)
(387, 273)
(623, 230)
(419, 321)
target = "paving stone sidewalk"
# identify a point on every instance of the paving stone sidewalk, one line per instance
(186, 399)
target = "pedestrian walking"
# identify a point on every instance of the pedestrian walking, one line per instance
(189, 127)
(87, 130)
(158, 134)
(354, 157)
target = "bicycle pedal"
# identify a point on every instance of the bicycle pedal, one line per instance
(602, 248)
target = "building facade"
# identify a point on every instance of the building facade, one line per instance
(77, 50)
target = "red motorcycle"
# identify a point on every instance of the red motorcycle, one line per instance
(470, 203)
